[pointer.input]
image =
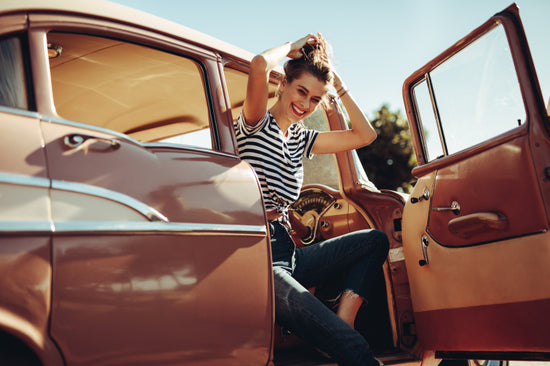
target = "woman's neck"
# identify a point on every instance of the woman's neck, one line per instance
(283, 123)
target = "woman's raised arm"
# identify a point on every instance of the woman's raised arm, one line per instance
(361, 133)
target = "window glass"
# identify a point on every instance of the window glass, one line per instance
(322, 168)
(476, 93)
(145, 93)
(13, 91)
(426, 116)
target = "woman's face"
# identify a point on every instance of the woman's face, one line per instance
(300, 97)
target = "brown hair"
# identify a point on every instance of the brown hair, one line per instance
(314, 60)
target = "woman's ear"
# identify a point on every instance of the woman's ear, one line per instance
(282, 85)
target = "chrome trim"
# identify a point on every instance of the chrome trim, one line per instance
(435, 108)
(25, 180)
(21, 112)
(26, 227)
(98, 227)
(109, 227)
(158, 224)
(147, 211)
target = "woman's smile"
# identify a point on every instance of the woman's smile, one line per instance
(298, 111)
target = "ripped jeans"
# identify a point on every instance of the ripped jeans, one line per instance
(359, 254)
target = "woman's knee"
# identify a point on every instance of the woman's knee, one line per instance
(378, 240)
(383, 241)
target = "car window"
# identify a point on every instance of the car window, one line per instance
(322, 168)
(471, 97)
(13, 90)
(145, 93)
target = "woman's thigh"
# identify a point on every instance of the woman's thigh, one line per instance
(317, 263)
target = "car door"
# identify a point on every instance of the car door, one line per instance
(160, 253)
(475, 229)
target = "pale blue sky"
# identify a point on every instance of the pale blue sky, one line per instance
(377, 44)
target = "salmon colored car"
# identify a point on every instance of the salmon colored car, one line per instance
(132, 234)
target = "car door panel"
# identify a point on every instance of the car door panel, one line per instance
(158, 228)
(485, 186)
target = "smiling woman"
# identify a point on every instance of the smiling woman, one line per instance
(274, 141)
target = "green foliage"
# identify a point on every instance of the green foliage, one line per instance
(388, 161)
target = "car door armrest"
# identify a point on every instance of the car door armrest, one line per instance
(476, 223)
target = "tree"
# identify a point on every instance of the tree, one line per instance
(388, 161)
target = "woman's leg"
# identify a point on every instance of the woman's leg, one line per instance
(307, 317)
(349, 306)
(358, 254)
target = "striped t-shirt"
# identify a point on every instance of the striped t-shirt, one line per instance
(276, 159)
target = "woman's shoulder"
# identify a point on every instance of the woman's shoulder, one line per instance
(251, 126)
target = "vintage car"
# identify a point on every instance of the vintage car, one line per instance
(132, 234)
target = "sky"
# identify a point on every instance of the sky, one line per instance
(377, 44)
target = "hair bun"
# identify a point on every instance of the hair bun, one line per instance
(317, 52)
(315, 60)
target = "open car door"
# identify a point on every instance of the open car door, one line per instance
(475, 230)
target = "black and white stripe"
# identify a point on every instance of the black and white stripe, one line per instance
(276, 159)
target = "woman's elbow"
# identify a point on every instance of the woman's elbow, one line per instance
(259, 62)
(368, 138)
(372, 137)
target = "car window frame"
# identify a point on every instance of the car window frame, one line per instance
(527, 79)
(40, 25)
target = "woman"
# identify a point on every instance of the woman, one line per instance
(273, 142)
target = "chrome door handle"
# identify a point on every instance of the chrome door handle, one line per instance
(75, 140)
(424, 243)
(455, 207)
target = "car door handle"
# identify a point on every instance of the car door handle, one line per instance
(476, 223)
(455, 207)
(75, 140)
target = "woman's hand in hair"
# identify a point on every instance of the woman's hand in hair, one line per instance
(296, 46)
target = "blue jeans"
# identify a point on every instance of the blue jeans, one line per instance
(359, 254)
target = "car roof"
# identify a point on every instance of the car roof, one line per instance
(121, 13)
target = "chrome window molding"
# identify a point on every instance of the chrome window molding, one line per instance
(22, 112)
(147, 211)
